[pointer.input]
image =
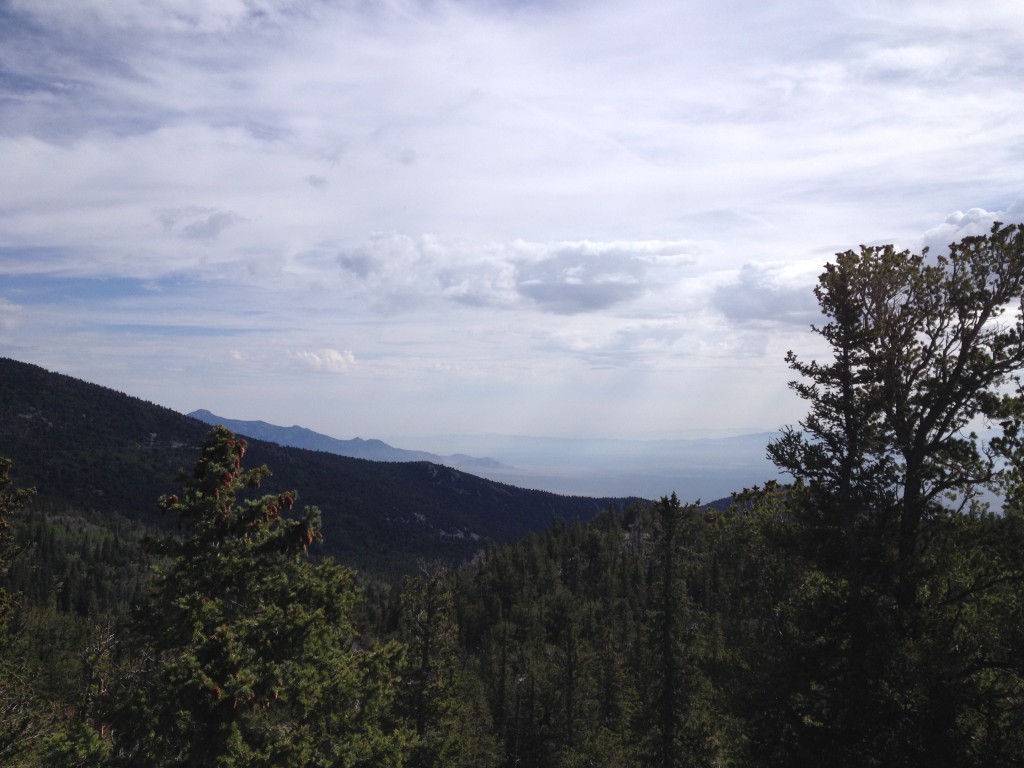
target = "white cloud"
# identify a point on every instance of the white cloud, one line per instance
(975, 221)
(327, 360)
(9, 314)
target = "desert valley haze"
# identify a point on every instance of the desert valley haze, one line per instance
(695, 469)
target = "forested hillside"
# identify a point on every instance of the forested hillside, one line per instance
(88, 448)
(869, 613)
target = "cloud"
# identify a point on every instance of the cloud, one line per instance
(9, 314)
(975, 221)
(398, 271)
(484, 277)
(327, 360)
(196, 222)
(390, 272)
(773, 293)
(577, 295)
(578, 277)
(392, 255)
(358, 262)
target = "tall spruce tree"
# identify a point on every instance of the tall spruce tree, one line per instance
(681, 710)
(440, 694)
(245, 653)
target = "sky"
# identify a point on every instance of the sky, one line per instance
(415, 217)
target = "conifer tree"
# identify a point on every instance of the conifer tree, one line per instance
(680, 710)
(439, 695)
(245, 653)
(887, 518)
(12, 500)
(922, 349)
(18, 710)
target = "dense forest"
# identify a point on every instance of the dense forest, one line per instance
(868, 612)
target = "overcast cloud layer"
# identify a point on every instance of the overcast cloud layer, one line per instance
(402, 218)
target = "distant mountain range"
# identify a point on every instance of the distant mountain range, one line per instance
(357, 448)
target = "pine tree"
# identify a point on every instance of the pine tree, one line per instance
(245, 653)
(887, 520)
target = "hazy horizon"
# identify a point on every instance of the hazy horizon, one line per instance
(695, 468)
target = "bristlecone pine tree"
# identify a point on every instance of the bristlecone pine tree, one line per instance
(896, 649)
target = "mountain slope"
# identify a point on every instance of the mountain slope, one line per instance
(87, 447)
(357, 448)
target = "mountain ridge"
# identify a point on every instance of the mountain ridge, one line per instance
(296, 436)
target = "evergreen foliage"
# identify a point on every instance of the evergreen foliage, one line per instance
(18, 711)
(895, 549)
(441, 695)
(245, 652)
